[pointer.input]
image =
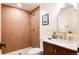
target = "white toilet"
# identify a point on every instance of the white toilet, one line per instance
(35, 51)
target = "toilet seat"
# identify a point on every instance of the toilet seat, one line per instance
(35, 51)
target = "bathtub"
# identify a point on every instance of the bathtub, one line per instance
(19, 52)
(26, 51)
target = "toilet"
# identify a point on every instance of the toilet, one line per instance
(35, 51)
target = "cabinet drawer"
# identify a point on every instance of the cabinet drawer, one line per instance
(68, 52)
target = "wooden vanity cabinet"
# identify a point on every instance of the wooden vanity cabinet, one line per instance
(52, 49)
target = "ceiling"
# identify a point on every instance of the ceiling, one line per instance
(25, 6)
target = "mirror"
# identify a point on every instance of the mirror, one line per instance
(67, 19)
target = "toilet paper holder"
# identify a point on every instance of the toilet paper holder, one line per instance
(2, 45)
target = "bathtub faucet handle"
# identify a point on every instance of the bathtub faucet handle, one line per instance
(2, 45)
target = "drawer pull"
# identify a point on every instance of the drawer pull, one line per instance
(54, 50)
(51, 50)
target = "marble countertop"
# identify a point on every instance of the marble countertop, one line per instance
(63, 43)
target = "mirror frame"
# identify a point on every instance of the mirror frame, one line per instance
(71, 6)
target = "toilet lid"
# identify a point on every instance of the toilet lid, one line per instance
(34, 51)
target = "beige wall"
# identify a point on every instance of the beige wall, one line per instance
(53, 10)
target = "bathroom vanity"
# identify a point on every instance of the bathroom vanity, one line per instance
(59, 47)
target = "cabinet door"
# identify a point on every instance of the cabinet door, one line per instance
(49, 49)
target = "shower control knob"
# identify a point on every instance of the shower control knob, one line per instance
(2, 45)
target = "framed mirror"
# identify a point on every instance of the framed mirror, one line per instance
(67, 19)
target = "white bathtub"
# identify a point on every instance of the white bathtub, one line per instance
(19, 52)
(26, 51)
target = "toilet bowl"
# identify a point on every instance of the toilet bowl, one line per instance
(35, 51)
